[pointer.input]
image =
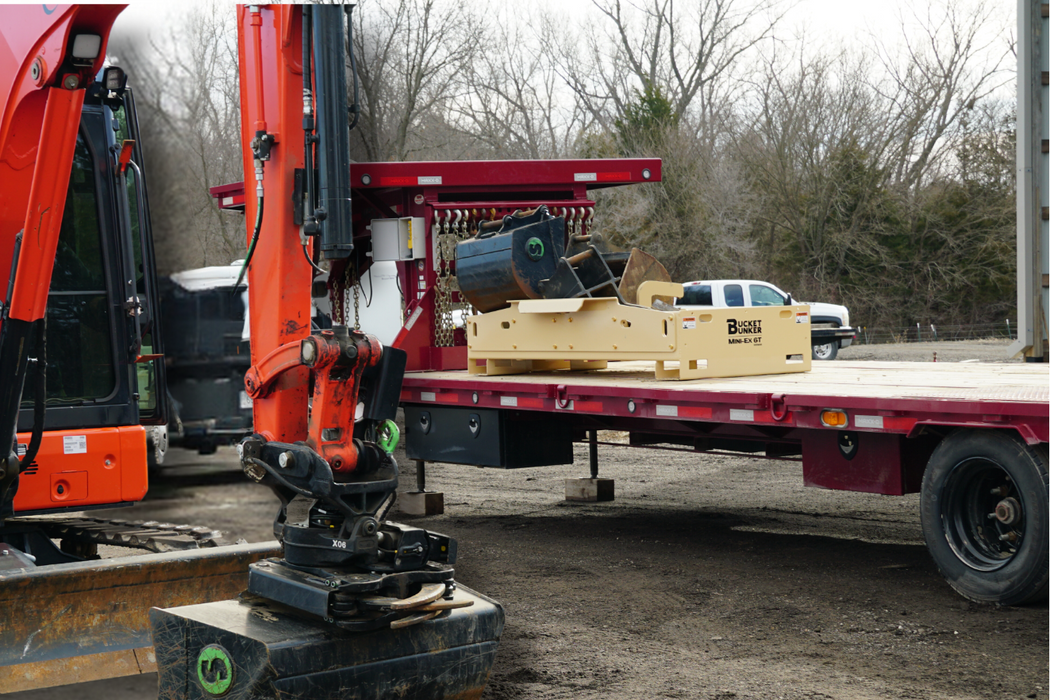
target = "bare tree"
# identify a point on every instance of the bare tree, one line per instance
(515, 102)
(813, 149)
(949, 62)
(688, 50)
(409, 54)
(187, 93)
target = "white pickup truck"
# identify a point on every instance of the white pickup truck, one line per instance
(831, 329)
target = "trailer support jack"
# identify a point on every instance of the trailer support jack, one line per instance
(591, 490)
(421, 501)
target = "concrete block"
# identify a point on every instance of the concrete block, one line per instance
(422, 502)
(591, 490)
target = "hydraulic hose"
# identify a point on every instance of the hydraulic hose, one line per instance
(255, 239)
(260, 145)
(40, 395)
(306, 254)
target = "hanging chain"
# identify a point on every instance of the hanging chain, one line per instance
(340, 297)
(468, 230)
(357, 306)
(336, 297)
(443, 328)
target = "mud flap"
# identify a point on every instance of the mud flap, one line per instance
(254, 648)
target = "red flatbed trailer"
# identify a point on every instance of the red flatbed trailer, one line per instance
(971, 438)
(957, 432)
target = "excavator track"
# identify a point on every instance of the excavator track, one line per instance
(150, 535)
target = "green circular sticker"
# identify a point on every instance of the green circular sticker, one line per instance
(214, 670)
(534, 247)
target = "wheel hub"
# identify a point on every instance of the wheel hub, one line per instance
(984, 525)
(1008, 511)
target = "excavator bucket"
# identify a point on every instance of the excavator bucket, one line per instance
(496, 267)
(642, 267)
(256, 648)
(86, 621)
(527, 259)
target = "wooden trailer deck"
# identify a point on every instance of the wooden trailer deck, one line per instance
(1013, 382)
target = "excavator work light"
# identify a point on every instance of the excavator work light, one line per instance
(86, 47)
(114, 79)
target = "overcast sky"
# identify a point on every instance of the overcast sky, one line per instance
(836, 20)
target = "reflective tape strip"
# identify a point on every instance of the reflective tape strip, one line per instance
(694, 412)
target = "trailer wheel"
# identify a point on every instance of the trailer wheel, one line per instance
(984, 516)
(826, 351)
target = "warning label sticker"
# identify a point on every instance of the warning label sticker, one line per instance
(688, 322)
(74, 444)
(802, 317)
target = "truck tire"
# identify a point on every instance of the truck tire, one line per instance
(826, 351)
(984, 514)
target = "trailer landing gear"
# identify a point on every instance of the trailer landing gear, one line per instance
(421, 501)
(593, 489)
(984, 516)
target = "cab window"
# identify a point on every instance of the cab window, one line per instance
(79, 343)
(734, 295)
(696, 295)
(761, 295)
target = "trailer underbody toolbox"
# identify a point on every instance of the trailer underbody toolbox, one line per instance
(487, 437)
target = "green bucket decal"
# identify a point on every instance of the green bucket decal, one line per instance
(214, 670)
(534, 247)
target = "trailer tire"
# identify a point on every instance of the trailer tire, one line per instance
(972, 474)
(826, 351)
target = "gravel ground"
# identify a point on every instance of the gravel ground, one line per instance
(942, 351)
(708, 577)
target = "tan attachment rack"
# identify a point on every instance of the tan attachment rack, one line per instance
(583, 333)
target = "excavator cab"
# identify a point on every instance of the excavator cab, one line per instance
(103, 377)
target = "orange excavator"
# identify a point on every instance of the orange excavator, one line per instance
(351, 600)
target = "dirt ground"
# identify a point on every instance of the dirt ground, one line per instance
(708, 577)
